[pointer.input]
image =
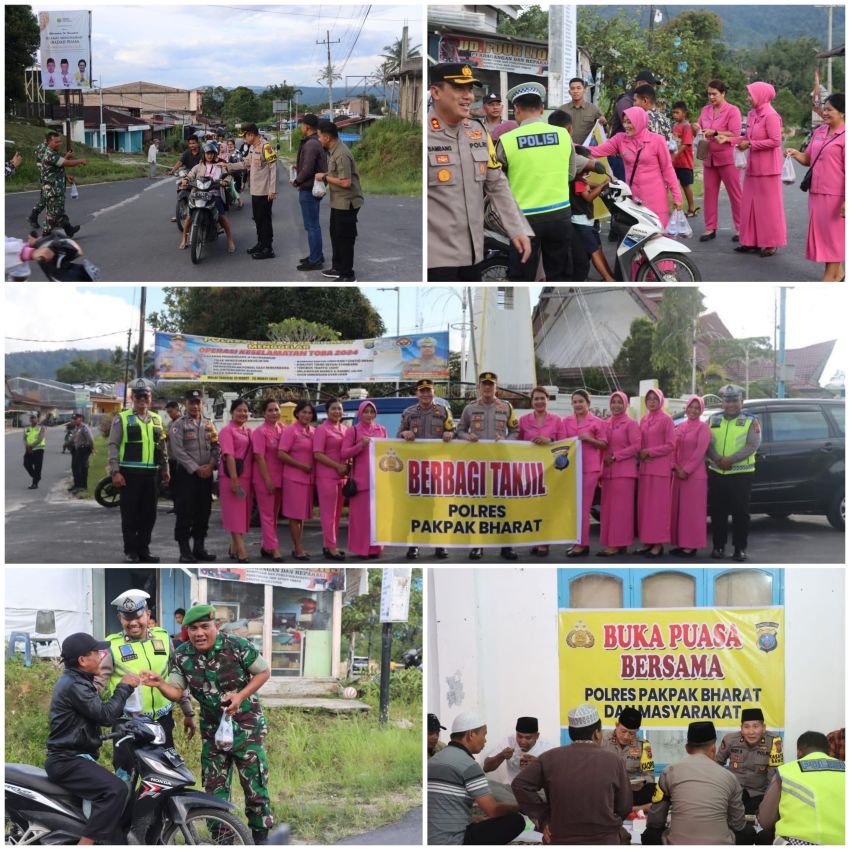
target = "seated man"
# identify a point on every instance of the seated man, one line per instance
(516, 752)
(76, 715)
(635, 752)
(703, 800)
(456, 781)
(434, 742)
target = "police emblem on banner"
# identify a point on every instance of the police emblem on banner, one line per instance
(391, 462)
(766, 636)
(562, 457)
(580, 636)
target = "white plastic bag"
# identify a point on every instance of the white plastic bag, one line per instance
(319, 189)
(134, 702)
(685, 230)
(75, 193)
(293, 172)
(740, 158)
(224, 733)
(788, 175)
(673, 225)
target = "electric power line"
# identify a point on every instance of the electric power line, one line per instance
(368, 9)
(77, 339)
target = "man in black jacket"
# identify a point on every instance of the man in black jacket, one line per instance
(76, 715)
(311, 159)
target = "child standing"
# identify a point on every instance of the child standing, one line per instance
(683, 159)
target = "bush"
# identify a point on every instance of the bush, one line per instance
(405, 688)
(389, 157)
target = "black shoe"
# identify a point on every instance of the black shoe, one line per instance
(263, 254)
(441, 553)
(736, 238)
(412, 553)
(332, 274)
(679, 552)
(340, 556)
(131, 558)
(573, 554)
(201, 554)
(642, 551)
(718, 554)
(32, 221)
(604, 554)
(254, 250)
(508, 553)
(347, 278)
(739, 555)
(186, 556)
(307, 259)
(658, 554)
(309, 267)
(304, 557)
(707, 236)
(72, 229)
(147, 558)
(745, 249)
(476, 554)
(264, 553)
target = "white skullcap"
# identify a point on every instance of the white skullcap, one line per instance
(582, 716)
(467, 720)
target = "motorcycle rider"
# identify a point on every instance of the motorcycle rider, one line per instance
(190, 157)
(230, 154)
(76, 713)
(210, 168)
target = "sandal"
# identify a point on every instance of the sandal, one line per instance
(182, 246)
(767, 252)
(693, 214)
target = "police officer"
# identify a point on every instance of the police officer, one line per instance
(462, 171)
(426, 421)
(193, 444)
(137, 456)
(488, 418)
(805, 802)
(82, 446)
(635, 752)
(753, 755)
(225, 671)
(735, 438)
(427, 362)
(51, 172)
(34, 443)
(137, 647)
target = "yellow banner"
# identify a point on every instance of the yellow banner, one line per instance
(675, 665)
(463, 494)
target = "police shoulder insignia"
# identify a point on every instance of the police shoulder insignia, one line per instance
(435, 124)
(268, 153)
(775, 758)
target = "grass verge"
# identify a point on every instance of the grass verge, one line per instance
(97, 465)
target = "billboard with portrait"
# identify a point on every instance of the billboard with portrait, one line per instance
(65, 50)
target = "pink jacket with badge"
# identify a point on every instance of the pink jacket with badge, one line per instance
(764, 133)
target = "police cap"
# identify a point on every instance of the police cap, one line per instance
(646, 76)
(424, 384)
(199, 613)
(488, 376)
(701, 732)
(731, 392)
(194, 395)
(458, 73)
(140, 387)
(493, 97)
(752, 714)
(131, 603)
(527, 88)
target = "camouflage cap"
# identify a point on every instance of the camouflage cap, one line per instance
(199, 613)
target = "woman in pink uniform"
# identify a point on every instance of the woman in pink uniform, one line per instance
(690, 482)
(295, 451)
(762, 207)
(540, 427)
(825, 242)
(720, 123)
(654, 174)
(619, 477)
(591, 431)
(234, 478)
(331, 473)
(355, 447)
(268, 477)
(655, 492)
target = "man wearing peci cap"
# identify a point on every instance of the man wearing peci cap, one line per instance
(587, 790)
(193, 443)
(515, 752)
(456, 782)
(635, 752)
(73, 742)
(703, 805)
(138, 457)
(462, 172)
(735, 439)
(488, 418)
(434, 742)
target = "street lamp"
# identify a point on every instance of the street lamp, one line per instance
(397, 290)
(101, 130)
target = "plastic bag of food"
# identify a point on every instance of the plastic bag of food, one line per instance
(788, 175)
(740, 158)
(319, 189)
(224, 733)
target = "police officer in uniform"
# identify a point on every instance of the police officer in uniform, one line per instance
(138, 455)
(462, 171)
(635, 752)
(193, 444)
(426, 363)
(488, 418)
(137, 647)
(735, 438)
(34, 443)
(540, 161)
(426, 421)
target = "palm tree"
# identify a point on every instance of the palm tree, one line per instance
(392, 53)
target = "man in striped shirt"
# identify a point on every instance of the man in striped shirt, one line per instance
(456, 781)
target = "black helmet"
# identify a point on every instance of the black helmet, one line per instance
(211, 147)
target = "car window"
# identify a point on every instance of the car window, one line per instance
(790, 425)
(837, 413)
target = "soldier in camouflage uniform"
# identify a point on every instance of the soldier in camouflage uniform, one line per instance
(223, 671)
(51, 168)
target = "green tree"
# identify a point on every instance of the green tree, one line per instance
(672, 345)
(392, 53)
(212, 101)
(81, 370)
(300, 330)
(241, 105)
(635, 355)
(22, 40)
(740, 355)
(532, 22)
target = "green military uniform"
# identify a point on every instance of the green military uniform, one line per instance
(228, 667)
(51, 172)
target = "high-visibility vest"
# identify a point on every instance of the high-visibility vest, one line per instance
(139, 441)
(729, 436)
(538, 156)
(811, 807)
(31, 436)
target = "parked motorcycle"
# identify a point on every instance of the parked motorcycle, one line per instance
(182, 197)
(107, 495)
(161, 807)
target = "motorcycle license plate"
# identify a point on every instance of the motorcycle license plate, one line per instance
(203, 196)
(172, 757)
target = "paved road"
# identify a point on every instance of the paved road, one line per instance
(127, 234)
(49, 526)
(406, 831)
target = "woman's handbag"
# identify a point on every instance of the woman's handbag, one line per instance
(806, 182)
(349, 489)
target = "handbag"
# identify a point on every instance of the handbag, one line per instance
(349, 489)
(741, 158)
(806, 182)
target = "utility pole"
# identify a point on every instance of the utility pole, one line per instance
(780, 383)
(127, 367)
(829, 47)
(651, 24)
(329, 72)
(140, 351)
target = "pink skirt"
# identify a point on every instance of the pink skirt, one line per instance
(297, 500)
(763, 212)
(235, 512)
(825, 242)
(690, 503)
(617, 528)
(655, 502)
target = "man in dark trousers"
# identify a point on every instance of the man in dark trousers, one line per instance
(311, 159)
(34, 443)
(82, 445)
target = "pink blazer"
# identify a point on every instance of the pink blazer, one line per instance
(352, 447)
(591, 457)
(658, 434)
(553, 427)
(297, 442)
(764, 132)
(728, 120)
(328, 440)
(691, 446)
(623, 438)
(828, 174)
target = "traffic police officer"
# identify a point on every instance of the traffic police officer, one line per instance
(137, 456)
(753, 755)
(462, 171)
(735, 438)
(488, 418)
(223, 671)
(193, 443)
(636, 752)
(540, 161)
(426, 421)
(34, 443)
(137, 647)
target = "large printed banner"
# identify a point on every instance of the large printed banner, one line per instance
(181, 357)
(308, 579)
(674, 665)
(494, 54)
(482, 494)
(65, 50)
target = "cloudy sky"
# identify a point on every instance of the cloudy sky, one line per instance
(256, 45)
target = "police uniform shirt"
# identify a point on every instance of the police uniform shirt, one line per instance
(637, 755)
(427, 423)
(261, 163)
(754, 767)
(751, 446)
(462, 169)
(81, 437)
(577, 163)
(703, 800)
(116, 432)
(192, 443)
(489, 421)
(420, 366)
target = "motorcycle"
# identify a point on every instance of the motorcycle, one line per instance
(68, 264)
(161, 807)
(204, 228)
(107, 495)
(182, 197)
